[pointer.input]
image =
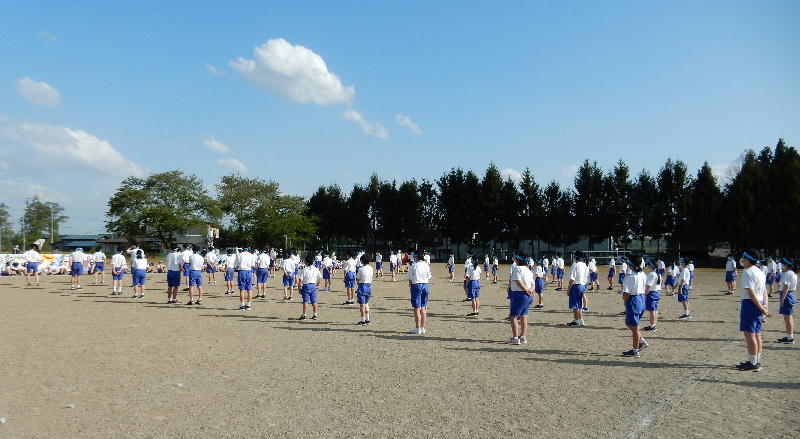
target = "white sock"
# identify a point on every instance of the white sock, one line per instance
(753, 359)
(758, 357)
(366, 317)
(790, 335)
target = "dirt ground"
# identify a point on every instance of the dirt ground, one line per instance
(89, 365)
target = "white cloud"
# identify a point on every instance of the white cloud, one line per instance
(215, 71)
(17, 191)
(66, 148)
(214, 144)
(233, 164)
(569, 171)
(293, 72)
(40, 93)
(406, 121)
(49, 37)
(373, 129)
(513, 174)
(725, 173)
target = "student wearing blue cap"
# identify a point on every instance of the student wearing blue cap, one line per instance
(753, 309)
(520, 291)
(636, 283)
(788, 285)
(419, 274)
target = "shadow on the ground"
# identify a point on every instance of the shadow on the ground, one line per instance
(755, 384)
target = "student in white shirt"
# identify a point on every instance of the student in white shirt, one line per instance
(623, 271)
(272, 261)
(196, 277)
(230, 269)
(546, 267)
(173, 274)
(495, 267)
(211, 266)
(244, 263)
(393, 265)
(76, 268)
(593, 275)
(139, 267)
(473, 279)
(289, 267)
(684, 276)
(652, 295)
(559, 263)
(186, 260)
(788, 284)
(451, 267)
(349, 269)
(520, 294)
(262, 275)
(578, 278)
(730, 275)
(612, 268)
(327, 272)
(753, 308)
(539, 282)
(378, 265)
(99, 262)
(419, 274)
(636, 284)
(771, 270)
(33, 259)
(309, 282)
(364, 292)
(486, 261)
(117, 272)
(690, 267)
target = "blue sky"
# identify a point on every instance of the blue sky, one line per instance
(91, 92)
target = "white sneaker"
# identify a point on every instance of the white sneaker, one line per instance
(423, 330)
(523, 340)
(415, 331)
(513, 340)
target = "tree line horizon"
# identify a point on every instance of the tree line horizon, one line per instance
(687, 211)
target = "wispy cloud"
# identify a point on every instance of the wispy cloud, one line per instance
(215, 71)
(513, 174)
(569, 171)
(48, 36)
(406, 121)
(369, 128)
(39, 93)
(232, 163)
(293, 72)
(214, 144)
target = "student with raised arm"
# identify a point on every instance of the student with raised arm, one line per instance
(32, 259)
(419, 274)
(752, 311)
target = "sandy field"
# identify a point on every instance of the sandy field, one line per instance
(89, 365)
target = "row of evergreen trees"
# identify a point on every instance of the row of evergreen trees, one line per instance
(690, 212)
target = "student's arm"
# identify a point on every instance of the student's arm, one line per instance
(757, 302)
(785, 293)
(625, 297)
(524, 288)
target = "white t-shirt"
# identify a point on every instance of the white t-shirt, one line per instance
(99, 257)
(652, 281)
(623, 268)
(730, 265)
(419, 273)
(427, 258)
(378, 257)
(546, 262)
(635, 283)
(78, 257)
(118, 260)
(263, 261)
(289, 265)
(592, 266)
(32, 256)
(789, 278)
(523, 274)
(451, 260)
(326, 262)
(474, 274)
(393, 259)
(660, 265)
(350, 265)
(197, 262)
(579, 273)
(364, 275)
(211, 258)
(495, 262)
(539, 271)
(771, 267)
(245, 261)
(690, 267)
(310, 275)
(683, 276)
(756, 280)
(186, 256)
(139, 264)
(318, 258)
(173, 263)
(560, 263)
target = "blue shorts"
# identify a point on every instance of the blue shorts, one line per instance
(560, 273)
(670, 281)
(485, 268)
(538, 285)
(229, 275)
(660, 272)
(186, 269)
(262, 274)
(576, 296)
(117, 275)
(750, 317)
(139, 276)
(553, 269)
(621, 278)
(683, 294)
(99, 267)
(494, 270)
(173, 278)
(245, 280)
(318, 264)
(634, 307)
(778, 277)
(520, 304)
(211, 269)
(651, 301)
(451, 268)
(611, 272)
(379, 265)
(349, 279)
(309, 293)
(271, 262)
(32, 267)
(364, 292)
(326, 273)
(391, 267)
(691, 276)
(770, 278)
(419, 295)
(592, 277)
(730, 276)
(288, 280)
(473, 289)
(76, 269)
(787, 306)
(195, 278)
